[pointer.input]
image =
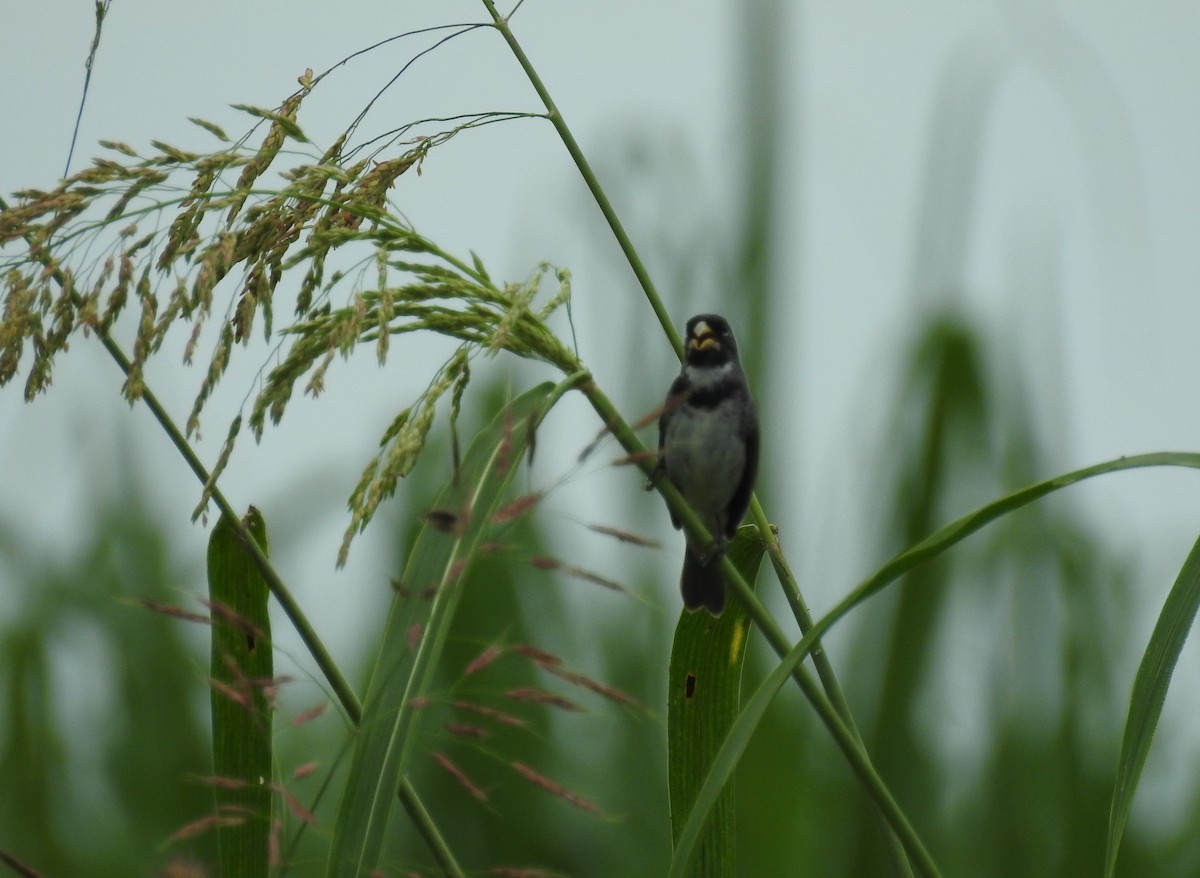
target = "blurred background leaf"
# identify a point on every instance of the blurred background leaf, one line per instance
(105, 718)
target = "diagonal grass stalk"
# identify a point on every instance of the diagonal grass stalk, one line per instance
(791, 590)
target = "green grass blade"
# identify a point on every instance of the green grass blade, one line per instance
(416, 630)
(933, 545)
(958, 530)
(1149, 692)
(704, 693)
(241, 713)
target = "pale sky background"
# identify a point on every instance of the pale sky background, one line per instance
(1092, 160)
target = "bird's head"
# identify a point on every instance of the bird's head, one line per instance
(709, 341)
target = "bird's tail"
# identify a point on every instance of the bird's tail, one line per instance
(702, 584)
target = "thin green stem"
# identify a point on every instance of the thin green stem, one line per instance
(589, 177)
(421, 818)
(820, 660)
(333, 675)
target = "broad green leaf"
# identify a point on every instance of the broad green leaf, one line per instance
(1149, 692)
(703, 697)
(416, 629)
(241, 712)
(941, 540)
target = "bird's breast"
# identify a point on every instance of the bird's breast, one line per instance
(705, 455)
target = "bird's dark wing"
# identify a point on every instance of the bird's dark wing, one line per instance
(741, 497)
(675, 397)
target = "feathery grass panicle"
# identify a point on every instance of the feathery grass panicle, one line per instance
(283, 125)
(226, 245)
(401, 445)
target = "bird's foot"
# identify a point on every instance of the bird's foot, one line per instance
(660, 470)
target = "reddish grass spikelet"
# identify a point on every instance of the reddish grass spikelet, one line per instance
(267, 684)
(516, 508)
(456, 569)
(459, 775)
(274, 857)
(542, 562)
(225, 783)
(174, 611)
(651, 417)
(541, 696)
(609, 692)
(236, 675)
(199, 827)
(18, 867)
(298, 811)
(482, 660)
(293, 804)
(556, 789)
(237, 696)
(467, 730)
(540, 656)
(420, 702)
(176, 867)
(271, 691)
(512, 872)
(635, 459)
(234, 618)
(306, 716)
(303, 771)
(504, 452)
(624, 536)
(595, 578)
(595, 443)
(491, 713)
(414, 635)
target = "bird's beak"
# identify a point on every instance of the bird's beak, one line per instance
(702, 337)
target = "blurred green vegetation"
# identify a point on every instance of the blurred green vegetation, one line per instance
(986, 684)
(100, 770)
(1032, 607)
(104, 722)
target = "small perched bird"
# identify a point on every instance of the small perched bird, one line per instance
(708, 448)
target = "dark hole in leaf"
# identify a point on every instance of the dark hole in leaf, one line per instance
(689, 686)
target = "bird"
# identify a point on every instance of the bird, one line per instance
(708, 449)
